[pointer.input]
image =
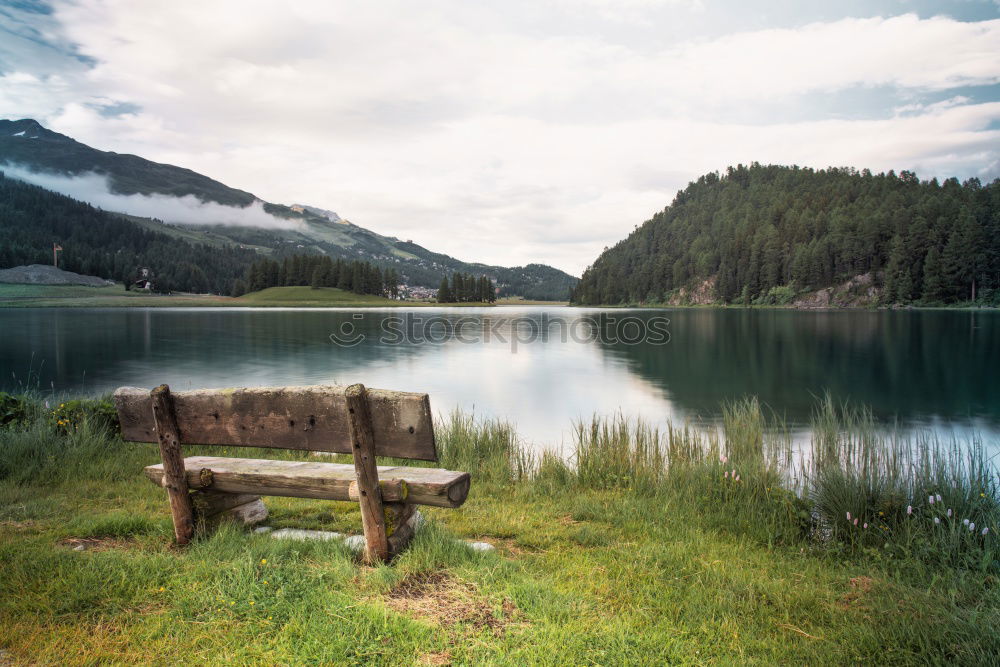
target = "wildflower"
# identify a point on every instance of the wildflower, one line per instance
(937, 520)
(948, 512)
(883, 513)
(965, 521)
(263, 561)
(46, 404)
(909, 509)
(231, 604)
(722, 458)
(737, 478)
(726, 475)
(265, 582)
(161, 589)
(938, 497)
(865, 526)
(251, 603)
(985, 530)
(848, 516)
(930, 500)
(972, 527)
(269, 618)
(855, 521)
(982, 495)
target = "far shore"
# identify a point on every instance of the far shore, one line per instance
(78, 296)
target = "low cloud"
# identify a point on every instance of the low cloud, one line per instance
(94, 189)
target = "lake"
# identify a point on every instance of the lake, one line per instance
(539, 367)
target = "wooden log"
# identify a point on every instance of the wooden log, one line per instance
(208, 503)
(302, 418)
(396, 514)
(370, 495)
(174, 479)
(318, 479)
(402, 536)
(247, 514)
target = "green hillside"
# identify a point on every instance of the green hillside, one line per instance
(308, 296)
(763, 234)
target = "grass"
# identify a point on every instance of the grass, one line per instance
(644, 547)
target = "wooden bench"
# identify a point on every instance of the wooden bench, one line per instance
(365, 423)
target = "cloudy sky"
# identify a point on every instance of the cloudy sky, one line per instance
(513, 131)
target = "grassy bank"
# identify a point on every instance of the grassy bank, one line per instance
(645, 547)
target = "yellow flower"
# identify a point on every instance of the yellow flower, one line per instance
(231, 604)
(161, 589)
(269, 618)
(265, 582)
(251, 602)
(263, 561)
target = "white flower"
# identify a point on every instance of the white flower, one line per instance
(855, 521)
(722, 458)
(938, 497)
(972, 527)
(726, 475)
(949, 511)
(909, 509)
(865, 526)
(965, 521)
(848, 516)
(985, 530)
(930, 500)
(937, 520)
(737, 478)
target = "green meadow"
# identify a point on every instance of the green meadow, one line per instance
(642, 546)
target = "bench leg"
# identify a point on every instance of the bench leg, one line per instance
(370, 494)
(174, 479)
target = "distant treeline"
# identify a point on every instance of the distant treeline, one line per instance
(320, 271)
(466, 288)
(762, 231)
(104, 244)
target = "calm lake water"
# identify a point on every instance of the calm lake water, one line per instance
(539, 367)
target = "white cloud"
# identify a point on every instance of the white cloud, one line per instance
(514, 133)
(187, 210)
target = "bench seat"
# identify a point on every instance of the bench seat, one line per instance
(314, 479)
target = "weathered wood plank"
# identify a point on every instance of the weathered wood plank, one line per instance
(369, 493)
(174, 479)
(304, 418)
(313, 479)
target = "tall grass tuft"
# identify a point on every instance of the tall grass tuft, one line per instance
(489, 449)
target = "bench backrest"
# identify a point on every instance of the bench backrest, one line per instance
(305, 418)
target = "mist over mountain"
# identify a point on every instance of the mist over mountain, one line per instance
(181, 203)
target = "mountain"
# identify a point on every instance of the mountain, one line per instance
(26, 143)
(771, 234)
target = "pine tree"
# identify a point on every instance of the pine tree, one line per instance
(444, 292)
(934, 281)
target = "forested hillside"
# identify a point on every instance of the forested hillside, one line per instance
(104, 244)
(763, 234)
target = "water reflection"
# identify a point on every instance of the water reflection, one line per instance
(539, 367)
